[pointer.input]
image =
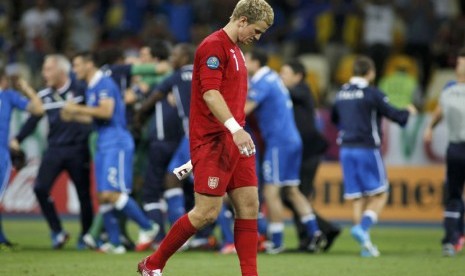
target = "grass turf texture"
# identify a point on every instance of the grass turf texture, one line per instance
(404, 251)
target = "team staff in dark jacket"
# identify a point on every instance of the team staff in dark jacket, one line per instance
(67, 146)
(357, 112)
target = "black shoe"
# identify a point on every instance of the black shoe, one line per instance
(330, 238)
(317, 243)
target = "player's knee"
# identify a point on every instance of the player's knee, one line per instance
(271, 193)
(291, 192)
(205, 216)
(248, 209)
(108, 197)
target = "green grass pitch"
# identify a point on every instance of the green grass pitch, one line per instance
(404, 251)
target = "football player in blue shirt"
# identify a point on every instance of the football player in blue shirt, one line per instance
(114, 156)
(270, 100)
(10, 100)
(357, 112)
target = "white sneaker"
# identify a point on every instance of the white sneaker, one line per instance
(111, 249)
(271, 249)
(146, 238)
(89, 241)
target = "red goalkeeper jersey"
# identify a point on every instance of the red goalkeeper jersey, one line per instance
(219, 65)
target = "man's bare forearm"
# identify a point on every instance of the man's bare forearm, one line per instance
(217, 105)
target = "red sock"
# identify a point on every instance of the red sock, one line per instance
(245, 240)
(179, 233)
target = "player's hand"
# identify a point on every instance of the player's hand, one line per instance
(67, 112)
(24, 87)
(412, 109)
(14, 144)
(171, 99)
(130, 97)
(70, 107)
(244, 142)
(428, 135)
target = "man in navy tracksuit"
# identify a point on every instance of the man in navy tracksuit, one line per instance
(357, 112)
(67, 146)
(165, 135)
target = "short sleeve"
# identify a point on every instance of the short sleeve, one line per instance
(212, 63)
(105, 92)
(18, 101)
(258, 93)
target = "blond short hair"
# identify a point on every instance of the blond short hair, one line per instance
(254, 10)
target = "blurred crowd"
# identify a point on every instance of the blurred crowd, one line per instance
(425, 32)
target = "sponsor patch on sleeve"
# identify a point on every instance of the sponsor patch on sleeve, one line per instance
(213, 62)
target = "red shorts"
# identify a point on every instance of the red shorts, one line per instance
(219, 168)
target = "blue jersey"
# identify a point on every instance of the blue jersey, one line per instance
(60, 133)
(274, 108)
(9, 100)
(111, 132)
(358, 111)
(180, 83)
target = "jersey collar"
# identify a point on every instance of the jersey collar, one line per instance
(65, 87)
(359, 81)
(260, 73)
(95, 79)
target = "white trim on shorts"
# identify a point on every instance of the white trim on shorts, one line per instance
(121, 181)
(352, 196)
(382, 176)
(275, 164)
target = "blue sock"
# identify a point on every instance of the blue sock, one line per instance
(262, 224)
(155, 213)
(110, 222)
(368, 219)
(2, 236)
(129, 207)
(311, 224)
(275, 233)
(225, 221)
(175, 200)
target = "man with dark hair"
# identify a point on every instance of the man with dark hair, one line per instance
(272, 106)
(179, 83)
(293, 75)
(10, 100)
(451, 108)
(357, 112)
(113, 158)
(67, 147)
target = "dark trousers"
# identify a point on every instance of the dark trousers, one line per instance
(159, 156)
(75, 161)
(307, 175)
(453, 220)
